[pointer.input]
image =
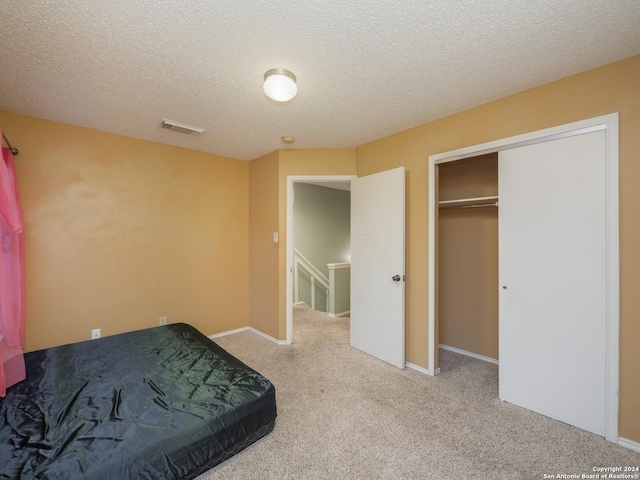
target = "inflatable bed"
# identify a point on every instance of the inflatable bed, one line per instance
(160, 403)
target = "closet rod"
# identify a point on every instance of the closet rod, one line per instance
(452, 207)
(6, 140)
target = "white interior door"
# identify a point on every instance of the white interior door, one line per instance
(377, 265)
(553, 256)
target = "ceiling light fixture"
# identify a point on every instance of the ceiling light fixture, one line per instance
(280, 85)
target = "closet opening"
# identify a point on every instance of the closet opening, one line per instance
(524, 267)
(467, 256)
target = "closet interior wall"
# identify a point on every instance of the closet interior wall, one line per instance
(467, 258)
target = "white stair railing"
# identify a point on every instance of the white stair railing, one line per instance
(301, 262)
(339, 289)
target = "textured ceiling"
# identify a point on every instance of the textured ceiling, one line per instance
(365, 69)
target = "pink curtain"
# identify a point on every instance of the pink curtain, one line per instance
(12, 284)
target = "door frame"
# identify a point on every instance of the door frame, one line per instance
(608, 123)
(291, 179)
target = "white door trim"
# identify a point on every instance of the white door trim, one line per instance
(291, 179)
(609, 123)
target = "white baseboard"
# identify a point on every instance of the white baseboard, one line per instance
(230, 332)
(470, 354)
(420, 369)
(341, 314)
(630, 444)
(268, 337)
(250, 329)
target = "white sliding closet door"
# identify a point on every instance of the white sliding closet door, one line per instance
(552, 221)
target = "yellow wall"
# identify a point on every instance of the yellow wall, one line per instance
(263, 253)
(612, 88)
(121, 231)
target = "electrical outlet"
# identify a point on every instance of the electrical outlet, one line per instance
(95, 333)
(162, 321)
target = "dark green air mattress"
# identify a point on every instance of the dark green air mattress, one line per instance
(160, 403)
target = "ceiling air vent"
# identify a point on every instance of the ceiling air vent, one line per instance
(180, 127)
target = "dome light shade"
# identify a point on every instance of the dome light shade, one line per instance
(280, 85)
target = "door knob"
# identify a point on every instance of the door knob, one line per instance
(396, 278)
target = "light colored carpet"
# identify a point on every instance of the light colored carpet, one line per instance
(343, 414)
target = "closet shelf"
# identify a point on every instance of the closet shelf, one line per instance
(491, 201)
(470, 202)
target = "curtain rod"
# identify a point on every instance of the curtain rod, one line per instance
(13, 150)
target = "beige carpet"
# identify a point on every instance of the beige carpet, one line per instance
(343, 414)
